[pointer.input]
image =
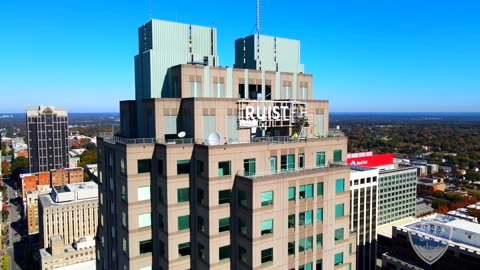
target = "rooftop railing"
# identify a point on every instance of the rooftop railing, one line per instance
(110, 138)
(291, 171)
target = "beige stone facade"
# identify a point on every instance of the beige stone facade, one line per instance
(71, 219)
(187, 185)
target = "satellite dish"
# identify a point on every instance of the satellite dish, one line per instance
(181, 134)
(214, 138)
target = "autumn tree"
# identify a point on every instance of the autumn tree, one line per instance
(5, 167)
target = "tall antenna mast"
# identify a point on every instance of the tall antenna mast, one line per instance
(150, 9)
(258, 16)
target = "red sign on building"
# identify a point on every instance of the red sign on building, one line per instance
(372, 161)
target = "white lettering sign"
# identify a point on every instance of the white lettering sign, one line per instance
(270, 113)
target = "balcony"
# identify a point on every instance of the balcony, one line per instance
(287, 172)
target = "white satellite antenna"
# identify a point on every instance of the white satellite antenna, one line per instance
(181, 134)
(214, 138)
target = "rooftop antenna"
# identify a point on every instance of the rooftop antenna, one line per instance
(258, 16)
(150, 11)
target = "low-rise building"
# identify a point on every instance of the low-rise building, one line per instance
(431, 184)
(68, 220)
(434, 242)
(60, 256)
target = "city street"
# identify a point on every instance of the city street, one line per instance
(14, 224)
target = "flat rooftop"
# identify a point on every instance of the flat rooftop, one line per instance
(386, 229)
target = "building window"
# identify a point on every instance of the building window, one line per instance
(183, 222)
(183, 166)
(201, 251)
(224, 225)
(301, 160)
(224, 196)
(143, 165)
(273, 164)
(144, 220)
(160, 195)
(305, 244)
(200, 224)
(291, 193)
(161, 249)
(291, 221)
(305, 218)
(124, 219)
(249, 166)
(242, 226)
(242, 197)
(287, 162)
(350, 248)
(320, 159)
(183, 195)
(161, 222)
(143, 193)
(266, 227)
(337, 155)
(146, 246)
(200, 195)
(339, 185)
(123, 194)
(267, 255)
(338, 259)
(200, 167)
(307, 266)
(339, 210)
(319, 264)
(184, 249)
(306, 191)
(224, 253)
(267, 198)
(224, 168)
(124, 245)
(319, 239)
(338, 234)
(160, 167)
(242, 254)
(319, 214)
(320, 189)
(291, 248)
(122, 165)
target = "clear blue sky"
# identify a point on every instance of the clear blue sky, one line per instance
(385, 55)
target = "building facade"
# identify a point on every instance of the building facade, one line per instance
(34, 184)
(68, 221)
(230, 173)
(363, 214)
(47, 138)
(397, 194)
(434, 242)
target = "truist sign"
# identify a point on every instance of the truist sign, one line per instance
(270, 113)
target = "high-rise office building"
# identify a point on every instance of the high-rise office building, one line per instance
(232, 173)
(397, 194)
(363, 221)
(47, 138)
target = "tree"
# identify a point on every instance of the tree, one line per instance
(4, 148)
(5, 167)
(443, 209)
(88, 157)
(5, 261)
(4, 215)
(17, 165)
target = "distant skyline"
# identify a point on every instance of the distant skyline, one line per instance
(365, 56)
